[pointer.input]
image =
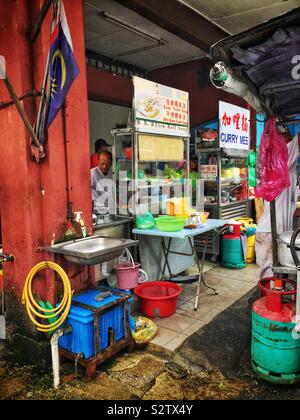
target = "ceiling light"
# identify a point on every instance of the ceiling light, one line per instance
(130, 27)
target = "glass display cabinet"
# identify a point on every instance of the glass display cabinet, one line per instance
(149, 171)
(224, 176)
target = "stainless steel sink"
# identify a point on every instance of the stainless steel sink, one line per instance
(113, 226)
(111, 220)
(92, 250)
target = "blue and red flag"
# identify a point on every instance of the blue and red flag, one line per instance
(62, 63)
(61, 71)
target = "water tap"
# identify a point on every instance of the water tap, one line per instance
(80, 221)
(6, 258)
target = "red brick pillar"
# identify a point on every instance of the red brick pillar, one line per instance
(33, 197)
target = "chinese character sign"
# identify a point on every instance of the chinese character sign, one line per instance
(160, 109)
(234, 126)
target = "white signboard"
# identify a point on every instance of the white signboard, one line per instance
(234, 126)
(160, 109)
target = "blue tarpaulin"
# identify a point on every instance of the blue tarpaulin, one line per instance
(294, 129)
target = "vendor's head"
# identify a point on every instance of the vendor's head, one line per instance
(105, 161)
(100, 145)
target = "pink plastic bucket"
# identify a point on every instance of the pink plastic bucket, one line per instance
(127, 275)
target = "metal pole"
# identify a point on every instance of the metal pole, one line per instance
(274, 232)
(41, 17)
(21, 111)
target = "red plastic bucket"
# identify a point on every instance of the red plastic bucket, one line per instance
(127, 275)
(158, 299)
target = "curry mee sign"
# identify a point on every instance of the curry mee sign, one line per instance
(234, 126)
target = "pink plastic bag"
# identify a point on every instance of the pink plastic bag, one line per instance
(272, 163)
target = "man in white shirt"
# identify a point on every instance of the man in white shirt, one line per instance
(103, 189)
(285, 209)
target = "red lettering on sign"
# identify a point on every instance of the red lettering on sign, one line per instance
(236, 121)
(226, 120)
(245, 125)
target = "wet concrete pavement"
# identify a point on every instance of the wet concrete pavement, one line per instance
(213, 364)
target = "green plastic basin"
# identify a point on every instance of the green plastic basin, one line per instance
(170, 223)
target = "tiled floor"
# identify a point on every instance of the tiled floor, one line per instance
(230, 284)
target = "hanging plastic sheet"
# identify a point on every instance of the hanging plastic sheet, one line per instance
(272, 163)
(294, 129)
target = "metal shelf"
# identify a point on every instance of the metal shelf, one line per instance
(148, 161)
(234, 180)
(129, 131)
(142, 184)
(153, 186)
(171, 184)
(157, 161)
(209, 149)
(228, 204)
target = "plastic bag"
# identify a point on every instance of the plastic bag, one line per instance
(145, 221)
(272, 163)
(144, 330)
(251, 163)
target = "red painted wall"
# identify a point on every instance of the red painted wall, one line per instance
(203, 101)
(106, 87)
(33, 197)
(109, 88)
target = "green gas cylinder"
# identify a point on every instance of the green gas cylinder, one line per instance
(232, 253)
(275, 344)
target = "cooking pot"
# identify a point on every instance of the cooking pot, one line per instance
(284, 251)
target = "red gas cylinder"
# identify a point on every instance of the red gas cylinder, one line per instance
(272, 304)
(234, 231)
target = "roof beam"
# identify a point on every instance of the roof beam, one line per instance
(179, 20)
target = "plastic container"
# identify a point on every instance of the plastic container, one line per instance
(244, 220)
(81, 339)
(158, 299)
(128, 153)
(178, 207)
(170, 223)
(127, 275)
(251, 249)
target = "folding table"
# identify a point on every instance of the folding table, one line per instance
(211, 224)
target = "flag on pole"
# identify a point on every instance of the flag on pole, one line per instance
(62, 63)
(61, 71)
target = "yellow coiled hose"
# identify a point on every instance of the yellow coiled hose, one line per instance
(32, 306)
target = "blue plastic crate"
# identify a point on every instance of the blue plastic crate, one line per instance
(81, 339)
